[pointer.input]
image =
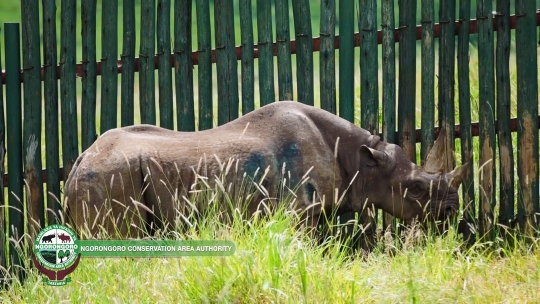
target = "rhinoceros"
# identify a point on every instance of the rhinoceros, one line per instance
(136, 174)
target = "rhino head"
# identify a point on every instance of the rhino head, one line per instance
(407, 191)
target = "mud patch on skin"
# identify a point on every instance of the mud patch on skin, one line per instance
(310, 191)
(91, 175)
(288, 158)
(254, 164)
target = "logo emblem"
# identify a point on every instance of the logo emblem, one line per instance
(56, 254)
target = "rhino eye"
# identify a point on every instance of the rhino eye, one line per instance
(416, 189)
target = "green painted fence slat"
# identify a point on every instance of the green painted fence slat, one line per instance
(50, 83)
(388, 83)
(109, 65)
(248, 69)
(15, 220)
(164, 62)
(147, 75)
(467, 186)
(428, 77)
(227, 73)
(283, 37)
(506, 158)
(527, 107)
(369, 84)
(407, 77)
(183, 66)
(128, 65)
(3, 231)
(204, 45)
(447, 51)
(328, 55)
(89, 80)
(346, 59)
(389, 71)
(68, 91)
(266, 58)
(487, 117)
(32, 110)
(369, 90)
(304, 51)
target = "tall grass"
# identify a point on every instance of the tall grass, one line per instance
(276, 261)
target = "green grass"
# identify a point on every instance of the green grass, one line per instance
(274, 263)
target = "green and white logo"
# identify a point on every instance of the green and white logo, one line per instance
(57, 251)
(56, 254)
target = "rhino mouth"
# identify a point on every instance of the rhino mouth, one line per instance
(443, 210)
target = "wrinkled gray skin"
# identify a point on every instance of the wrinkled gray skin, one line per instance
(153, 166)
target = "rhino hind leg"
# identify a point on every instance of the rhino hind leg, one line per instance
(106, 204)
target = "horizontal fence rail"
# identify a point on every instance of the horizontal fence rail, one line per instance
(473, 29)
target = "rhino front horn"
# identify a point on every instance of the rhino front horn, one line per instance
(440, 158)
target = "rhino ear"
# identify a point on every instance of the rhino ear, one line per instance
(371, 157)
(440, 157)
(456, 176)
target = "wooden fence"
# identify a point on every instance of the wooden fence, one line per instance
(41, 76)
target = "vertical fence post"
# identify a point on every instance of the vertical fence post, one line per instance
(89, 80)
(204, 66)
(68, 100)
(227, 73)
(328, 56)
(369, 84)
(266, 58)
(32, 112)
(506, 158)
(304, 51)
(527, 107)
(487, 116)
(428, 77)
(183, 66)
(369, 93)
(346, 59)
(15, 220)
(407, 78)
(3, 210)
(467, 185)
(146, 60)
(388, 84)
(51, 110)
(128, 64)
(248, 70)
(447, 52)
(164, 59)
(109, 65)
(283, 37)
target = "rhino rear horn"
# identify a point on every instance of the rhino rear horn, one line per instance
(456, 176)
(440, 158)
